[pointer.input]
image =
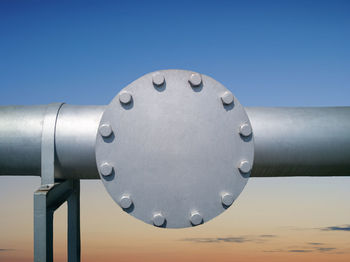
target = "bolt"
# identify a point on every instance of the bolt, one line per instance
(227, 98)
(125, 98)
(244, 166)
(158, 79)
(227, 199)
(158, 220)
(106, 169)
(125, 202)
(196, 218)
(105, 130)
(245, 129)
(195, 79)
(43, 187)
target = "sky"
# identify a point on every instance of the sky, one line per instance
(268, 53)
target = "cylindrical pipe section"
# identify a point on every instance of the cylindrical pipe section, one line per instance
(301, 141)
(76, 131)
(288, 141)
(20, 139)
(21, 135)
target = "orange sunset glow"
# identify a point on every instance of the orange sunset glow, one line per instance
(269, 222)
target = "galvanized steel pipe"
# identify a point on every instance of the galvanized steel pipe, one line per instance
(21, 136)
(288, 141)
(301, 141)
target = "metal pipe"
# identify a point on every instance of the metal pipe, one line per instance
(76, 131)
(20, 140)
(301, 141)
(288, 141)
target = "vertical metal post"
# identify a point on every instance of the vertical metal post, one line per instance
(51, 195)
(46, 200)
(43, 227)
(74, 223)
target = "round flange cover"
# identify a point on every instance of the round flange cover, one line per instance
(174, 148)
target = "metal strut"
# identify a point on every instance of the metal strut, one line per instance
(51, 195)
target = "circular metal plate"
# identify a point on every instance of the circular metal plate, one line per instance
(175, 153)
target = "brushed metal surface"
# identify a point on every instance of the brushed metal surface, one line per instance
(175, 149)
(301, 141)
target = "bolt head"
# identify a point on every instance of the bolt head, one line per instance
(245, 129)
(227, 199)
(105, 130)
(44, 187)
(158, 219)
(227, 98)
(106, 169)
(158, 79)
(196, 218)
(244, 166)
(125, 202)
(195, 79)
(125, 98)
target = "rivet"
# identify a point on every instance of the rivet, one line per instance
(158, 79)
(106, 169)
(125, 98)
(244, 166)
(105, 130)
(227, 199)
(196, 218)
(125, 202)
(227, 98)
(158, 219)
(245, 129)
(195, 79)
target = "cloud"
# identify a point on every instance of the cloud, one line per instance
(312, 247)
(238, 239)
(217, 240)
(299, 250)
(336, 228)
(315, 247)
(331, 228)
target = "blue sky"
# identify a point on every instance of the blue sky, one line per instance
(269, 53)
